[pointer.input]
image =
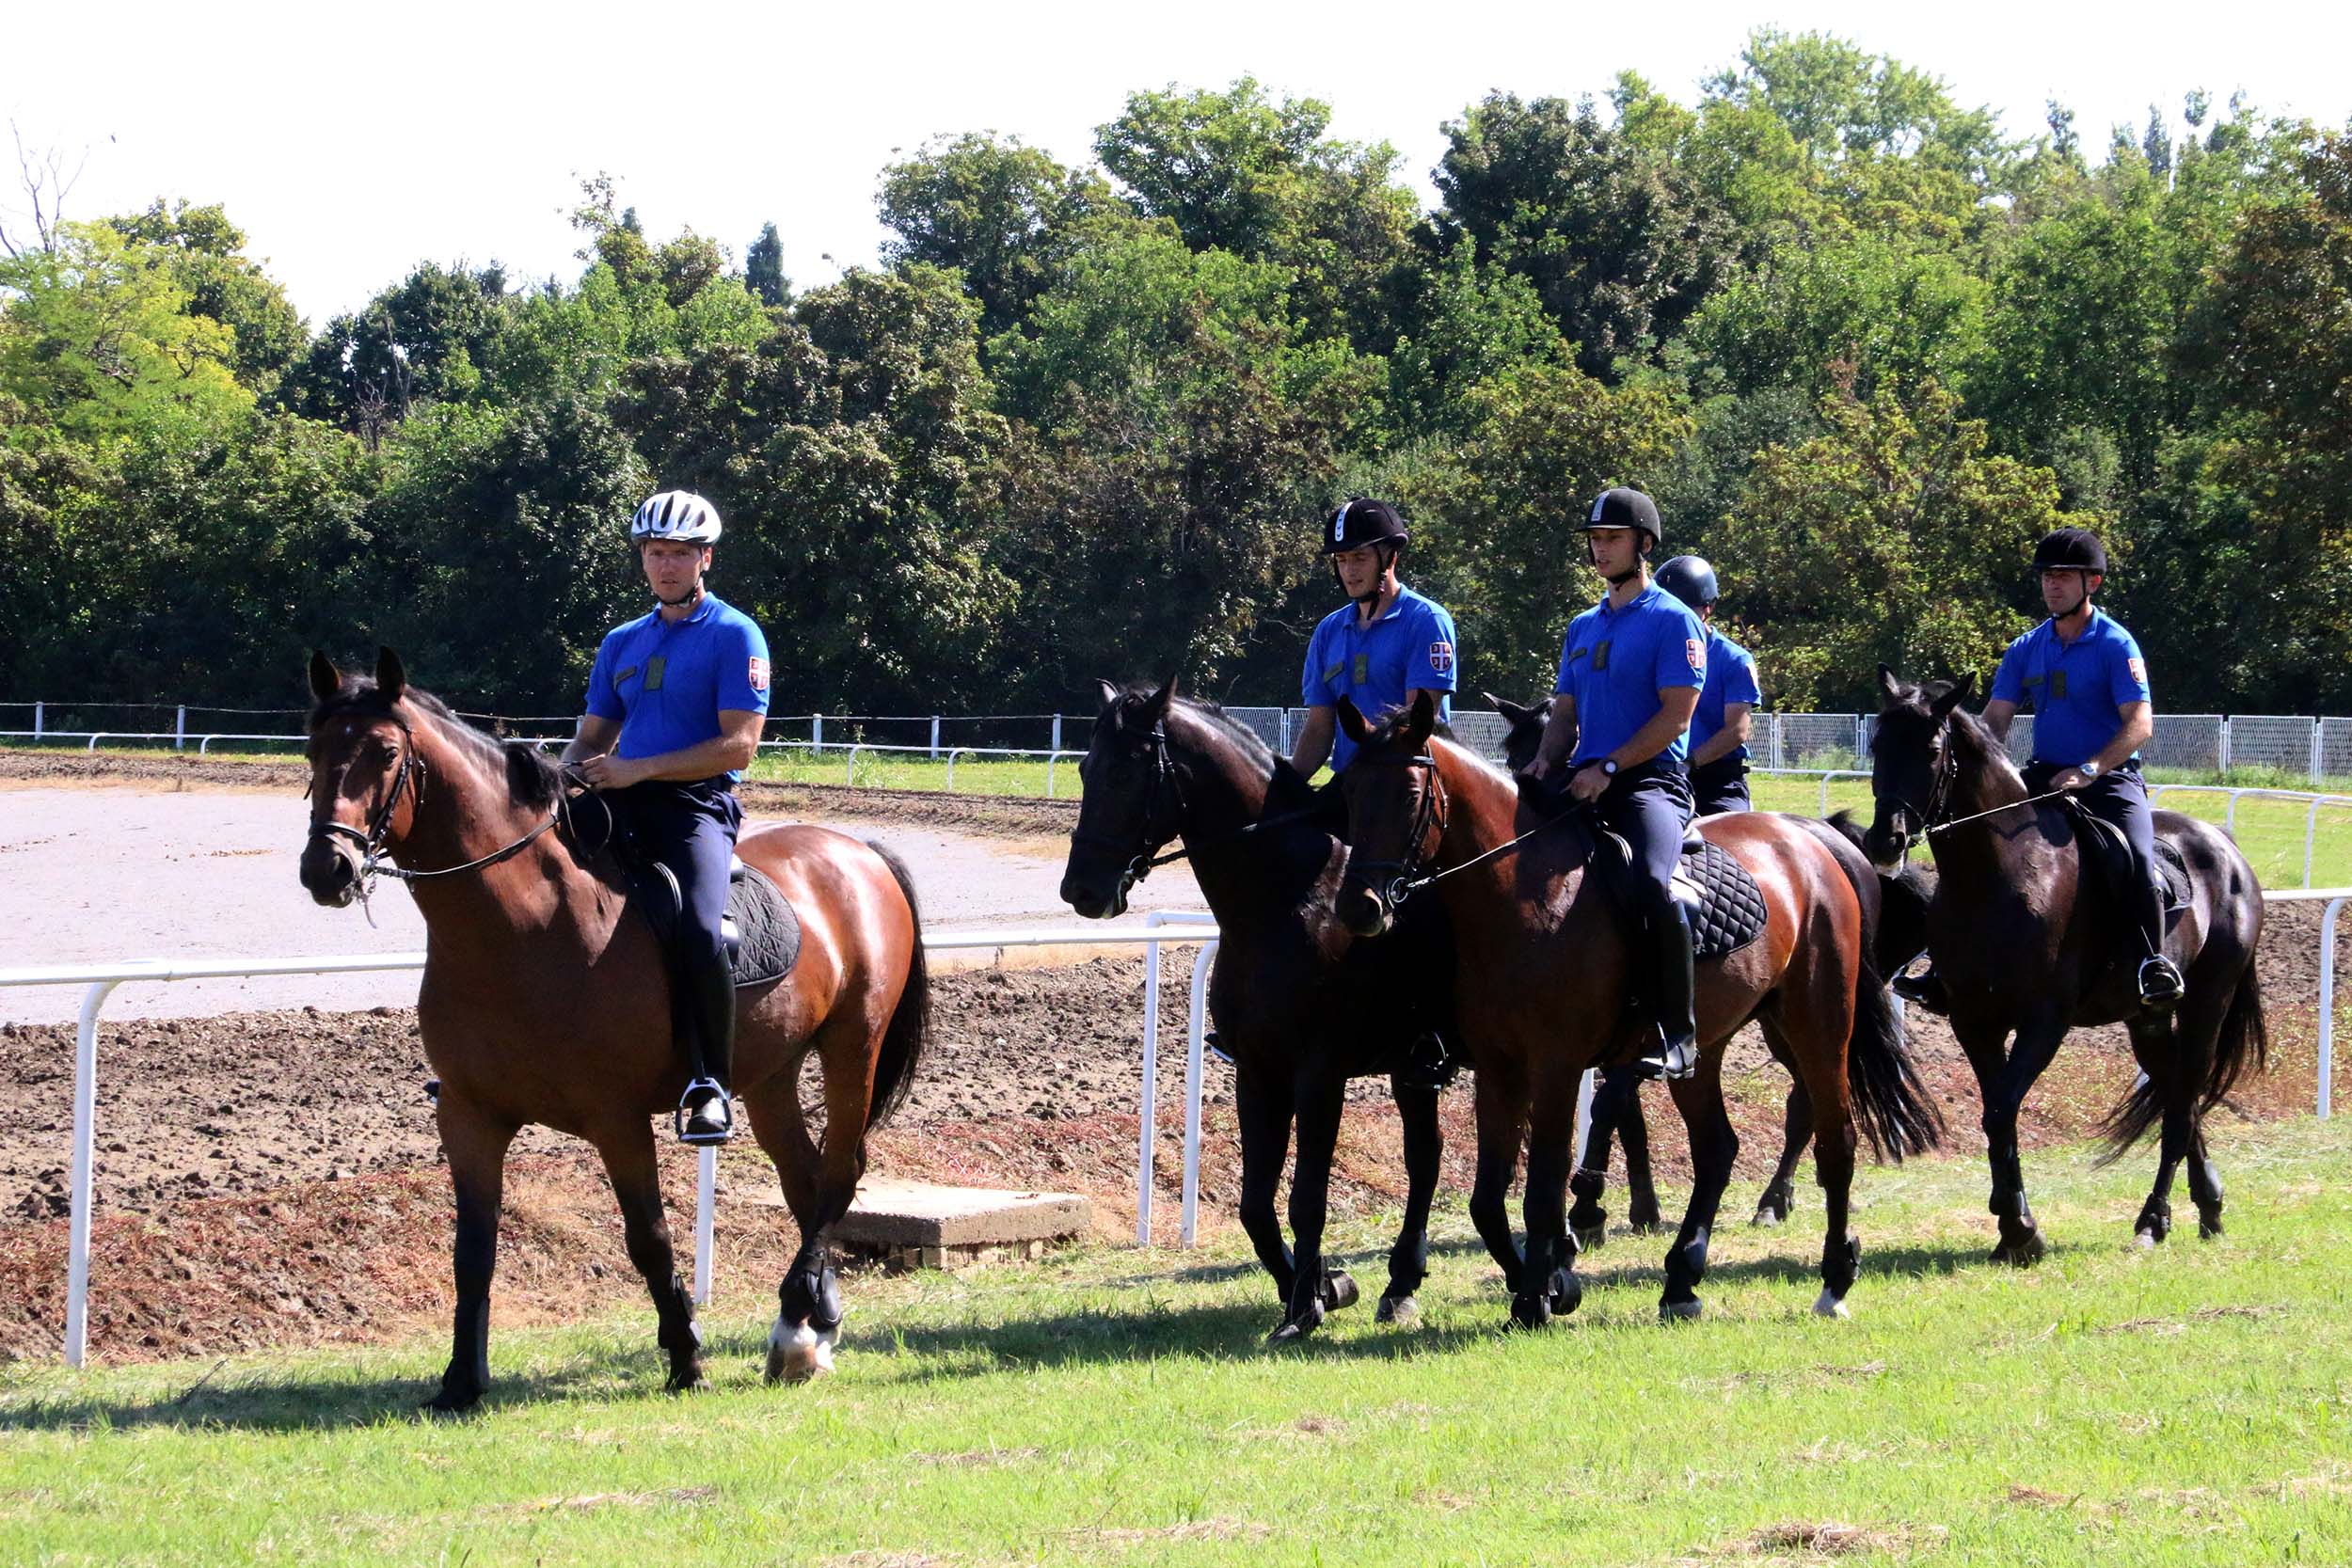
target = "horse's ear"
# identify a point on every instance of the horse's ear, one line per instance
(1352, 722)
(1890, 686)
(1506, 707)
(390, 679)
(1966, 688)
(325, 680)
(1110, 697)
(1421, 720)
(1155, 706)
(1952, 699)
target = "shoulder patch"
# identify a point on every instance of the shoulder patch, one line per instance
(1441, 657)
(759, 674)
(1695, 651)
(2139, 667)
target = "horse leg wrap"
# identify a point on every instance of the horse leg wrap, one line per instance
(811, 1294)
(2155, 1220)
(2205, 1185)
(679, 1333)
(1842, 1261)
(1686, 1265)
(1408, 1265)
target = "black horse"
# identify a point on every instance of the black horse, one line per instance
(1894, 912)
(2030, 942)
(1293, 997)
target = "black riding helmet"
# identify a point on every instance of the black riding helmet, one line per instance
(1690, 579)
(1627, 508)
(2071, 549)
(1363, 521)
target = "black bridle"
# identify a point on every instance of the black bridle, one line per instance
(1168, 780)
(1432, 810)
(409, 778)
(1934, 820)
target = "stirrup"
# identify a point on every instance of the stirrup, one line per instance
(712, 1120)
(2160, 982)
(1921, 990)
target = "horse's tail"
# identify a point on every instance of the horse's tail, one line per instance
(910, 1027)
(1890, 1101)
(2243, 1039)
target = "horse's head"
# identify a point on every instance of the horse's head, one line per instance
(1395, 810)
(1132, 802)
(1527, 729)
(365, 774)
(1912, 761)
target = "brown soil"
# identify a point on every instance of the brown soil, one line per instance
(268, 1178)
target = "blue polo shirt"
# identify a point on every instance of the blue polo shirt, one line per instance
(1409, 648)
(664, 682)
(2074, 692)
(1615, 662)
(1730, 678)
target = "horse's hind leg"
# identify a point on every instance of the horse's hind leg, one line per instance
(1262, 1104)
(629, 1160)
(1617, 1107)
(1502, 1125)
(1408, 1261)
(1780, 1193)
(476, 1148)
(2022, 1241)
(1547, 1283)
(820, 1183)
(1314, 1288)
(1641, 1186)
(1714, 1147)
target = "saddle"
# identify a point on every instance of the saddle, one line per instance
(760, 931)
(2109, 853)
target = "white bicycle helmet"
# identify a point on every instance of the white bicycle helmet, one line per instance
(676, 514)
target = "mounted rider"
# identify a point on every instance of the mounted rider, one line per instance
(675, 704)
(1718, 726)
(1631, 669)
(1384, 646)
(2087, 683)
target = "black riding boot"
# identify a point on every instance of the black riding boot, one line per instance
(2160, 981)
(1428, 1064)
(705, 1113)
(1925, 990)
(1673, 992)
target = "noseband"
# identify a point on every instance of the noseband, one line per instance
(1933, 819)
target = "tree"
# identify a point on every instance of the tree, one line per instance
(1619, 243)
(221, 283)
(1892, 537)
(1002, 215)
(763, 268)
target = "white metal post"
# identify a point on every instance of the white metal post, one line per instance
(39, 711)
(84, 1135)
(1586, 1087)
(935, 736)
(1151, 1091)
(816, 732)
(2327, 1008)
(2315, 758)
(1196, 1047)
(1057, 731)
(705, 1208)
(180, 731)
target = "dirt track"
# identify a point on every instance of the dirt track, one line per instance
(269, 1178)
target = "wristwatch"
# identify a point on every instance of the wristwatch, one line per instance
(1609, 768)
(2089, 771)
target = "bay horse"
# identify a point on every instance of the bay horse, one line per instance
(1894, 912)
(2030, 947)
(1541, 985)
(1295, 997)
(544, 1002)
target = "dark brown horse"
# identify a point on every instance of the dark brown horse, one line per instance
(1542, 981)
(1298, 1000)
(1894, 912)
(2028, 946)
(544, 1001)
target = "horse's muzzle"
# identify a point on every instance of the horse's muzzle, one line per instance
(1096, 896)
(1889, 838)
(1363, 909)
(330, 873)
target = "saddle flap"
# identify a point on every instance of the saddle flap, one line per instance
(2108, 849)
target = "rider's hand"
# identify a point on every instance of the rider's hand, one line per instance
(1589, 784)
(607, 771)
(2070, 779)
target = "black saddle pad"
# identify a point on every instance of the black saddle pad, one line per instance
(1729, 907)
(761, 929)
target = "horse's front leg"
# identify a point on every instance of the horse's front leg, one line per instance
(1714, 1146)
(1314, 1289)
(628, 1162)
(1409, 1259)
(1262, 1103)
(1502, 1104)
(475, 1145)
(2022, 1243)
(1549, 1285)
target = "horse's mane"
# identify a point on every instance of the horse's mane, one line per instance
(531, 780)
(1387, 726)
(1251, 745)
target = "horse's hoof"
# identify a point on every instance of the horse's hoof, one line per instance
(449, 1403)
(1589, 1238)
(2208, 1229)
(1404, 1311)
(1567, 1294)
(1830, 1305)
(687, 1382)
(1339, 1290)
(1644, 1225)
(1530, 1311)
(2146, 1238)
(2023, 1253)
(798, 1354)
(1291, 1331)
(1680, 1311)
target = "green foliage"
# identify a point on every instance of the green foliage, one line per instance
(1892, 537)
(1002, 215)
(763, 268)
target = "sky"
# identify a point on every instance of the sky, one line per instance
(352, 142)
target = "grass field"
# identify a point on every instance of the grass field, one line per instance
(2193, 1405)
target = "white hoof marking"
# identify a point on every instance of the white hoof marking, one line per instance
(798, 1353)
(1829, 1305)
